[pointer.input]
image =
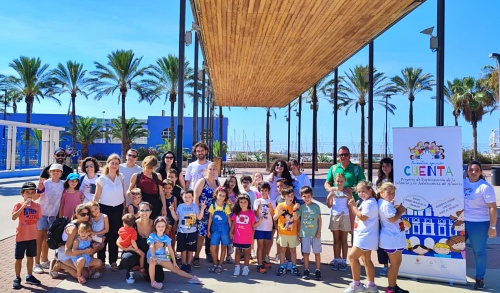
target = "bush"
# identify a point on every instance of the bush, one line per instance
(242, 157)
(100, 157)
(144, 152)
(468, 155)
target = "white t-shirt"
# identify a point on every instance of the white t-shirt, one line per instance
(265, 212)
(252, 195)
(476, 197)
(112, 191)
(339, 204)
(366, 233)
(50, 199)
(85, 187)
(127, 173)
(392, 235)
(194, 172)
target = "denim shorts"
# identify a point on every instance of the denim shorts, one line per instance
(219, 237)
(44, 222)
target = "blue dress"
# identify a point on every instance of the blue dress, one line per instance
(207, 196)
(83, 244)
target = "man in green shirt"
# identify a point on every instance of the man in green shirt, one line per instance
(353, 173)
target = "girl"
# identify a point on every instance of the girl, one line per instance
(50, 193)
(242, 228)
(219, 224)
(71, 196)
(133, 208)
(83, 260)
(385, 174)
(233, 190)
(392, 237)
(162, 256)
(340, 223)
(256, 180)
(366, 236)
(90, 167)
(100, 226)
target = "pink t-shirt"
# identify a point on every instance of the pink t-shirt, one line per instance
(69, 202)
(243, 229)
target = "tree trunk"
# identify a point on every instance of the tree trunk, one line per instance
(456, 118)
(14, 105)
(410, 116)
(172, 104)
(474, 135)
(362, 158)
(73, 120)
(124, 127)
(85, 150)
(268, 143)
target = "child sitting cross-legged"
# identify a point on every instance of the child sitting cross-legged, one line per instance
(127, 241)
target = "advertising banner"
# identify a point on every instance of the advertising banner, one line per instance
(428, 175)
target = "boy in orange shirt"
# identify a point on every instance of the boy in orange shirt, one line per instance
(28, 213)
(127, 241)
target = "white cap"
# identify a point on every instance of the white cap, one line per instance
(56, 167)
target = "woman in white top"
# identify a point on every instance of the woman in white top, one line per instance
(110, 194)
(480, 216)
(385, 174)
(90, 167)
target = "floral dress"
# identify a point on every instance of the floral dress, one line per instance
(207, 196)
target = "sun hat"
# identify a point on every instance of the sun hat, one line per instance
(29, 186)
(56, 167)
(73, 176)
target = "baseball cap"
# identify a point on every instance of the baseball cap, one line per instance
(56, 167)
(29, 186)
(59, 150)
(73, 176)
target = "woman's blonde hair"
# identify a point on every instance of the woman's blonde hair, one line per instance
(111, 157)
(91, 203)
(149, 161)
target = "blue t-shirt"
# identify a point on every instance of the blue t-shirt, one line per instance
(153, 237)
(187, 217)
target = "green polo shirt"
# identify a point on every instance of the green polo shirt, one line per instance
(349, 173)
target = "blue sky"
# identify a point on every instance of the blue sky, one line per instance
(86, 31)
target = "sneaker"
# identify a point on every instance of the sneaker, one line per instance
(46, 265)
(196, 263)
(229, 260)
(401, 290)
(295, 271)
(130, 280)
(342, 266)
(317, 275)
(245, 271)
(261, 269)
(194, 280)
(388, 290)
(32, 280)
(183, 267)
(53, 269)
(252, 255)
(277, 258)
(371, 289)
(289, 266)
(354, 288)
(479, 285)
(383, 271)
(333, 261)
(266, 259)
(281, 271)
(236, 271)
(306, 274)
(16, 284)
(37, 269)
(335, 265)
(266, 264)
(188, 269)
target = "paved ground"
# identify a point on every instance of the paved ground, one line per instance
(333, 281)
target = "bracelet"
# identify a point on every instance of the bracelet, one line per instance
(493, 227)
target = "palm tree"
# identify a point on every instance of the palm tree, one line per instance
(354, 92)
(133, 130)
(121, 74)
(451, 97)
(71, 79)
(490, 79)
(475, 100)
(410, 83)
(165, 83)
(87, 131)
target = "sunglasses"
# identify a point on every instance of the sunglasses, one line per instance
(280, 165)
(60, 155)
(84, 214)
(130, 155)
(343, 155)
(169, 157)
(145, 210)
(89, 166)
(136, 193)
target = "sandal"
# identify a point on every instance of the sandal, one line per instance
(218, 270)
(82, 280)
(143, 272)
(95, 275)
(196, 262)
(213, 269)
(114, 267)
(157, 285)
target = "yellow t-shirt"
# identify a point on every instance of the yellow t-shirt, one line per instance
(286, 224)
(227, 210)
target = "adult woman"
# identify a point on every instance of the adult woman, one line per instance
(385, 174)
(64, 253)
(480, 216)
(110, 194)
(144, 227)
(279, 170)
(90, 167)
(301, 179)
(151, 187)
(203, 192)
(168, 161)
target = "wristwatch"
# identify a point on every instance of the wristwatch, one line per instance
(493, 227)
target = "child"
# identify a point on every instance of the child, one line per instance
(127, 241)
(366, 236)
(50, 193)
(71, 196)
(28, 213)
(81, 258)
(187, 213)
(340, 223)
(170, 200)
(100, 226)
(174, 176)
(133, 208)
(219, 224)
(263, 208)
(246, 181)
(162, 256)
(233, 190)
(287, 217)
(310, 231)
(256, 180)
(242, 228)
(392, 233)
(280, 185)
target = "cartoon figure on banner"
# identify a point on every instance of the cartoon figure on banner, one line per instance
(459, 216)
(426, 148)
(459, 226)
(441, 249)
(421, 249)
(457, 244)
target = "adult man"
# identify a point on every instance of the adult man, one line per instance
(195, 169)
(352, 172)
(128, 169)
(59, 157)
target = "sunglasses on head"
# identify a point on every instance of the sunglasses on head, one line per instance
(130, 155)
(343, 155)
(83, 214)
(60, 155)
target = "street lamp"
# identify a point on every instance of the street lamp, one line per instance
(103, 128)
(497, 56)
(4, 110)
(386, 142)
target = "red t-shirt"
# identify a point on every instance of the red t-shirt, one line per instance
(126, 235)
(26, 228)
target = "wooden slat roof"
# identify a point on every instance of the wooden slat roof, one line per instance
(265, 53)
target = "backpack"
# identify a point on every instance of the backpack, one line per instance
(155, 178)
(54, 234)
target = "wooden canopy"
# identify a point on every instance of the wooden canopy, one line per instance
(265, 53)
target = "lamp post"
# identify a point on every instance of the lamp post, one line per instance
(386, 141)
(288, 120)
(4, 110)
(103, 128)
(497, 57)
(180, 90)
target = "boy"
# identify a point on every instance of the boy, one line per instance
(187, 234)
(246, 181)
(133, 208)
(263, 208)
(127, 241)
(287, 217)
(173, 175)
(170, 200)
(28, 213)
(310, 231)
